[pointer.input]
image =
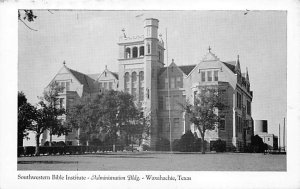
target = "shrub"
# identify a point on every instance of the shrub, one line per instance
(20, 151)
(219, 146)
(198, 145)
(145, 147)
(176, 145)
(258, 145)
(29, 150)
(163, 144)
(187, 142)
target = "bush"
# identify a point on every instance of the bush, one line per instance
(29, 150)
(187, 142)
(198, 145)
(20, 151)
(145, 147)
(219, 146)
(258, 145)
(176, 145)
(163, 144)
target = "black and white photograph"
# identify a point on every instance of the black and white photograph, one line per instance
(158, 96)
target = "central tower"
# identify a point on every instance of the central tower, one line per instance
(140, 60)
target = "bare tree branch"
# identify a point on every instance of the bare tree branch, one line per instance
(27, 25)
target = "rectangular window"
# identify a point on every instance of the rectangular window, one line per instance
(100, 85)
(61, 103)
(67, 86)
(203, 76)
(238, 100)
(110, 85)
(178, 82)
(160, 103)
(176, 122)
(172, 83)
(176, 102)
(216, 75)
(166, 83)
(141, 94)
(166, 128)
(209, 76)
(63, 86)
(248, 107)
(222, 123)
(167, 101)
(134, 93)
(105, 85)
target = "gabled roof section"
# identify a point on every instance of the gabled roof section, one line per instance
(116, 75)
(210, 56)
(86, 81)
(94, 76)
(230, 66)
(186, 69)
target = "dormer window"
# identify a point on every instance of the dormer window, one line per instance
(209, 76)
(216, 75)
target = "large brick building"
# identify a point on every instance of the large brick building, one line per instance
(159, 89)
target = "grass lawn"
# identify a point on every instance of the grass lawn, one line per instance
(149, 161)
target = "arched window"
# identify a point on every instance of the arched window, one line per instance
(148, 48)
(134, 52)
(159, 56)
(141, 86)
(141, 50)
(127, 53)
(134, 85)
(126, 82)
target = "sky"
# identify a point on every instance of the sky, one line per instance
(87, 41)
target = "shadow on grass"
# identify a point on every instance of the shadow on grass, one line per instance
(47, 162)
(119, 156)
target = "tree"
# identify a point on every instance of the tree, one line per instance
(26, 114)
(26, 15)
(50, 98)
(203, 113)
(84, 115)
(112, 113)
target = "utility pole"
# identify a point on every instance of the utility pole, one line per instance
(169, 97)
(279, 139)
(284, 134)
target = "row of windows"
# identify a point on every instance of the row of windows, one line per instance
(135, 84)
(167, 103)
(209, 75)
(239, 103)
(175, 82)
(136, 52)
(164, 126)
(105, 85)
(65, 85)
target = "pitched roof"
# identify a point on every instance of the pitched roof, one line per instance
(115, 74)
(94, 76)
(187, 68)
(86, 81)
(230, 66)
